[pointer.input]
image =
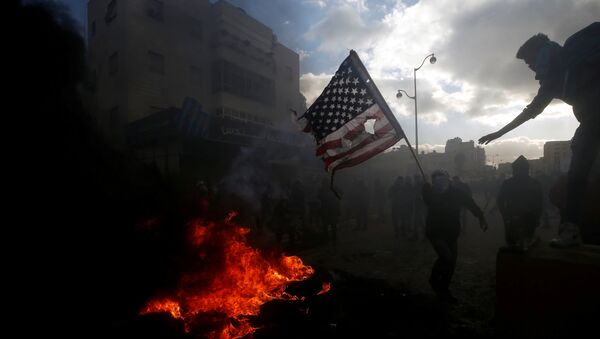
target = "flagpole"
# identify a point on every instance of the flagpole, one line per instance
(385, 108)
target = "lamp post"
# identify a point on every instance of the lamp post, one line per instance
(432, 60)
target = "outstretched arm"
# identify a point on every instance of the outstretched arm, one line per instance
(470, 204)
(536, 107)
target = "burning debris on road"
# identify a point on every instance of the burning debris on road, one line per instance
(231, 279)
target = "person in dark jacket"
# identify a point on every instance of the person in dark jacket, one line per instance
(570, 73)
(520, 202)
(329, 212)
(442, 227)
(419, 210)
(461, 185)
(359, 204)
(379, 196)
(402, 200)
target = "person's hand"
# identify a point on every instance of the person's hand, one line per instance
(486, 139)
(483, 224)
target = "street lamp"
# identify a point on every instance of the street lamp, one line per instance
(432, 60)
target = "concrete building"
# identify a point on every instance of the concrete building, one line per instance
(535, 166)
(460, 158)
(464, 157)
(146, 56)
(557, 156)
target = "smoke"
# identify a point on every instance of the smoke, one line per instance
(248, 177)
(266, 170)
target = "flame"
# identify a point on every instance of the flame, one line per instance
(164, 305)
(244, 279)
(326, 287)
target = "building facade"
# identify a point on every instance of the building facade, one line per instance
(146, 56)
(557, 156)
(460, 158)
(464, 157)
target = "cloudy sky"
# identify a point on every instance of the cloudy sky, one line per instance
(475, 87)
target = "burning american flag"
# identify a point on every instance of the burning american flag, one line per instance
(337, 118)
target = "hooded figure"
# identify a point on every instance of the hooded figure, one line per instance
(401, 199)
(520, 202)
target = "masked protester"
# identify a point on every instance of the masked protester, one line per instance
(442, 228)
(520, 202)
(571, 73)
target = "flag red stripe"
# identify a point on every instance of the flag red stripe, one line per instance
(365, 149)
(329, 145)
(358, 130)
(361, 127)
(337, 143)
(366, 156)
(372, 138)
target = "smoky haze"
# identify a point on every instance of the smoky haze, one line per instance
(102, 227)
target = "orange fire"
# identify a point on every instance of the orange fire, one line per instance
(163, 305)
(326, 287)
(239, 281)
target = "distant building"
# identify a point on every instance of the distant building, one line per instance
(557, 156)
(460, 158)
(464, 157)
(146, 56)
(535, 166)
(556, 159)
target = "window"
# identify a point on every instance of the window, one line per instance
(111, 11)
(113, 63)
(195, 76)
(197, 30)
(239, 81)
(155, 9)
(156, 63)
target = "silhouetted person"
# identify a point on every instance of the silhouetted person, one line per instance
(298, 203)
(359, 204)
(419, 209)
(329, 212)
(545, 182)
(520, 202)
(313, 207)
(496, 183)
(463, 186)
(444, 203)
(558, 194)
(284, 220)
(488, 187)
(265, 209)
(402, 200)
(570, 73)
(379, 200)
(408, 214)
